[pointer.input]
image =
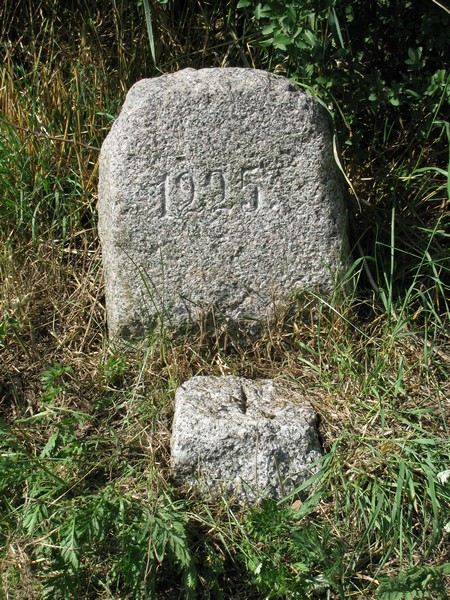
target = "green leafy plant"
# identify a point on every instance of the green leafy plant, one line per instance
(90, 522)
(339, 51)
(55, 380)
(416, 582)
(114, 369)
(289, 559)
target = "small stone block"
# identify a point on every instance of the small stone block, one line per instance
(245, 439)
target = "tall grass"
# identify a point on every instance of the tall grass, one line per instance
(87, 509)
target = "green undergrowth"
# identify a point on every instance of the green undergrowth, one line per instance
(88, 509)
(87, 505)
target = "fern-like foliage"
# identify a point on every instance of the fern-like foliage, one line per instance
(75, 524)
(289, 560)
(416, 582)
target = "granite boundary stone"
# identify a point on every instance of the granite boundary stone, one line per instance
(218, 188)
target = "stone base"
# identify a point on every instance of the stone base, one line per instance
(245, 439)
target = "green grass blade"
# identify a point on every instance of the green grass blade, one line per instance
(151, 39)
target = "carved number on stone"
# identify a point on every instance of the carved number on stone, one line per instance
(216, 182)
(250, 188)
(184, 192)
(161, 190)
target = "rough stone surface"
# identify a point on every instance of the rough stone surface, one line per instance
(218, 187)
(247, 439)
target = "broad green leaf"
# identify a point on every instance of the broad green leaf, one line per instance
(310, 37)
(267, 30)
(281, 41)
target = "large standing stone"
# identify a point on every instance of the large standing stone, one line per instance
(217, 187)
(246, 438)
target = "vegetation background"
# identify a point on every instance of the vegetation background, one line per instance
(87, 509)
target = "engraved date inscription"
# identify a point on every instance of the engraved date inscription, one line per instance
(185, 192)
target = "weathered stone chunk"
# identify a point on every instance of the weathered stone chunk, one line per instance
(247, 439)
(217, 187)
